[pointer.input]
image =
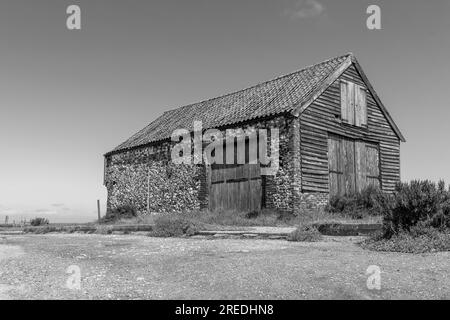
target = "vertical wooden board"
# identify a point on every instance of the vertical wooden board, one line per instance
(239, 172)
(255, 171)
(248, 195)
(349, 165)
(351, 103)
(218, 196)
(332, 156)
(335, 165)
(245, 171)
(334, 184)
(244, 195)
(212, 197)
(259, 195)
(230, 173)
(228, 195)
(358, 119)
(344, 104)
(373, 182)
(372, 160)
(341, 184)
(372, 166)
(231, 199)
(218, 175)
(255, 199)
(361, 102)
(241, 195)
(360, 165)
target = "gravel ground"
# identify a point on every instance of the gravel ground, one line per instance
(139, 267)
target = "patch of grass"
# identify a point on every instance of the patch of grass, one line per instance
(305, 234)
(417, 240)
(140, 219)
(103, 229)
(235, 220)
(270, 218)
(171, 225)
(40, 229)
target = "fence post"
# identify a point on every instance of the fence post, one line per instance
(98, 208)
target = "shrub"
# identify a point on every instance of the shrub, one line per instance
(252, 214)
(39, 222)
(370, 201)
(417, 202)
(305, 234)
(121, 212)
(170, 225)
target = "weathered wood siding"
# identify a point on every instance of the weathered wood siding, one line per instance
(323, 116)
(236, 187)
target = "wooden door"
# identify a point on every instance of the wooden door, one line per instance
(353, 165)
(235, 187)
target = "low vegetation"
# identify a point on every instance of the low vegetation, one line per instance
(235, 220)
(39, 222)
(416, 219)
(171, 225)
(40, 229)
(368, 202)
(123, 212)
(305, 234)
(418, 240)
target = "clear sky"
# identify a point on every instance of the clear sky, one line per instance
(67, 97)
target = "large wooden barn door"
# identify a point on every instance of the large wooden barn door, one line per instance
(235, 187)
(352, 164)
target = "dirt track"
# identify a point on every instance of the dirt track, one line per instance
(139, 267)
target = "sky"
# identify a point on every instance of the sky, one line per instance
(69, 96)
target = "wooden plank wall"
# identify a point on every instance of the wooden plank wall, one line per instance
(323, 116)
(236, 187)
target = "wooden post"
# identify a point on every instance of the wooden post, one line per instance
(148, 191)
(98, 209)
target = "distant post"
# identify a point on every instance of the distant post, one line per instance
(98, 209)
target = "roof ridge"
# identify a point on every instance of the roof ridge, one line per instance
(261, 83)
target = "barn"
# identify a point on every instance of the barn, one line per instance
(334, 136)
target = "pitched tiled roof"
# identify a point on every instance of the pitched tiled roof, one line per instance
(273, 97)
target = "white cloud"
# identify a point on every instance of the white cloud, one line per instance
(306, 9)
